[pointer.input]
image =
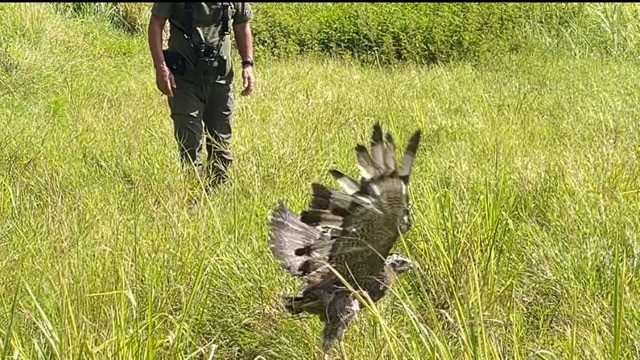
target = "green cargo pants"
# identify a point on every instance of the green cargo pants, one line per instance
(203, 108)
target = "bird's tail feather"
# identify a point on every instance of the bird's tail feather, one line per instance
(295, 243)
(409, 156)
(349, 185)
(380, 163)
(329, 207)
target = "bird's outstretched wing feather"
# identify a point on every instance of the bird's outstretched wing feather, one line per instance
(352, 231)
(349, 232)
(295, 244)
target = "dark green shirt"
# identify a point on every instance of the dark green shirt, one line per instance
(206, 26)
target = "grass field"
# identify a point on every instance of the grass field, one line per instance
(525, 192)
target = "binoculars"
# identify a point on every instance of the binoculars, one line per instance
(210, 55)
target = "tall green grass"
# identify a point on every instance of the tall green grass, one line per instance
(525, 193)
(423, 33)
(428, 33)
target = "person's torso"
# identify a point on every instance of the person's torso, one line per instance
(207, 21)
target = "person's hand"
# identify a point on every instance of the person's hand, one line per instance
(164, 80)
(248, 80)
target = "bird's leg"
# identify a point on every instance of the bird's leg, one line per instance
(327, 345)
(343, 352)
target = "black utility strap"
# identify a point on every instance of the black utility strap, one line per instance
(187, 30)
(188, 21)
(224, 20)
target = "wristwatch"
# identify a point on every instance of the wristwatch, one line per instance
(247, 62)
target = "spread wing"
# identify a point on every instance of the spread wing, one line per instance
(352, 231)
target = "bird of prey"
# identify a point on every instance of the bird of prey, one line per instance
(346, 237)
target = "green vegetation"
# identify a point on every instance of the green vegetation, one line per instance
(526, 196)
(388, 33)
(425, 33)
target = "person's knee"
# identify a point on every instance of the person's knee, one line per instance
(218, 129)
(188, 133)
(219, 113)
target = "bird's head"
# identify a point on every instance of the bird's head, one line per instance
(400, 263)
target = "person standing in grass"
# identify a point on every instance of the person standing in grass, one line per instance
(196, 75)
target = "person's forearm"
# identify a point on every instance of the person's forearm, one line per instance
(156, 25)
(244, 40)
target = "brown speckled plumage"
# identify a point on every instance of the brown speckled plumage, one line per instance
(350, 232)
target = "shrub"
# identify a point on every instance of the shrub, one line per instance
(130, 17)
(387, 33)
